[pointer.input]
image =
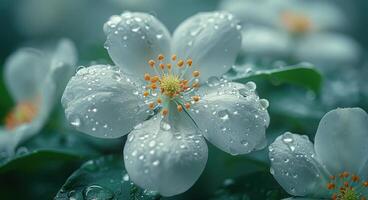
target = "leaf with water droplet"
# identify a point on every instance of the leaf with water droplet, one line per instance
(105, 179)
(302, 74)
(45, 148)
(256, 186)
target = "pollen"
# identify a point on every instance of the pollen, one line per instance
(195, 73)
(165, 84)
(345, 188)
(180, 108)
(296, 22)
(22, 113)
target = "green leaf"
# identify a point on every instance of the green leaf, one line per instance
(302, 74)
(256, 186)
(103, 178)
(47, 149)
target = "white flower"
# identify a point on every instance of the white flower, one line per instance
(337, 160)
(157, 73)
(303, 30)
(34, 79)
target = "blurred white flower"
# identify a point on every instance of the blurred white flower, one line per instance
(177, 77)
(34, 79)
(301, 30)
(334, 167)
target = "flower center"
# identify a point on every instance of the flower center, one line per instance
(348, 187)
(296, 22)
(22, 113)
(167, 84)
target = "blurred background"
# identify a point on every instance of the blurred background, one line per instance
(337, 48)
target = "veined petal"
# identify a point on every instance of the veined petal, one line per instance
(135, 38)
(341, 140)
(162, 159)
(212, 40)
(294, 166)
(103, 102)
(25, 71)
(232, 117)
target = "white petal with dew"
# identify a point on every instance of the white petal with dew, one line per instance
(295, 166)
(103, 102)
(232, 117)
(212, 40)
(162, 159)
(135, 38)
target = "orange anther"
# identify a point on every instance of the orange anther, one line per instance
(165, 112)
(180, 108)
(330, 186)
(160, 57)
(332, 177)
(147, 77)
(151, 105)
(153, 86)
(145, 93)
(151, 63)
(187, 105)
(173, 57)
(162, 66)
(168, 66)
(180, 63)
(190, 62)
(195, 85)
(365, 183)
(195, 98)
(159, 100)
(195, 73)
(346, 184)
(355, 178)
(334, 197)
(154, 79)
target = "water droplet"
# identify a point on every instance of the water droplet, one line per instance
(76, 122)
(264, 103)
(223, 114)
(126, 177)
(244, 142)
(213, 81)
(165, 126)
(97, 192)
(156, 162)
(251, 86)
(152, 143)
(159, 36)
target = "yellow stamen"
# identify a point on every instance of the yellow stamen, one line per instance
(195, 73)
(180, 63)
(190, 62)
(147, 77)
(145, 93)
(151, 105)
(160, 57)
(195, 98)
(165, 111)
(173, 57)
(180, 108)
(151, 63)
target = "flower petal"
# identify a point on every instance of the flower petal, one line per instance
(103, 102)
(294, 166)
(232, 117)
(135, 38)
(329, 50)
(162, 159)
(212, 40)
(341, 140)
(253, 12)
(25, 71)
(265, 42)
